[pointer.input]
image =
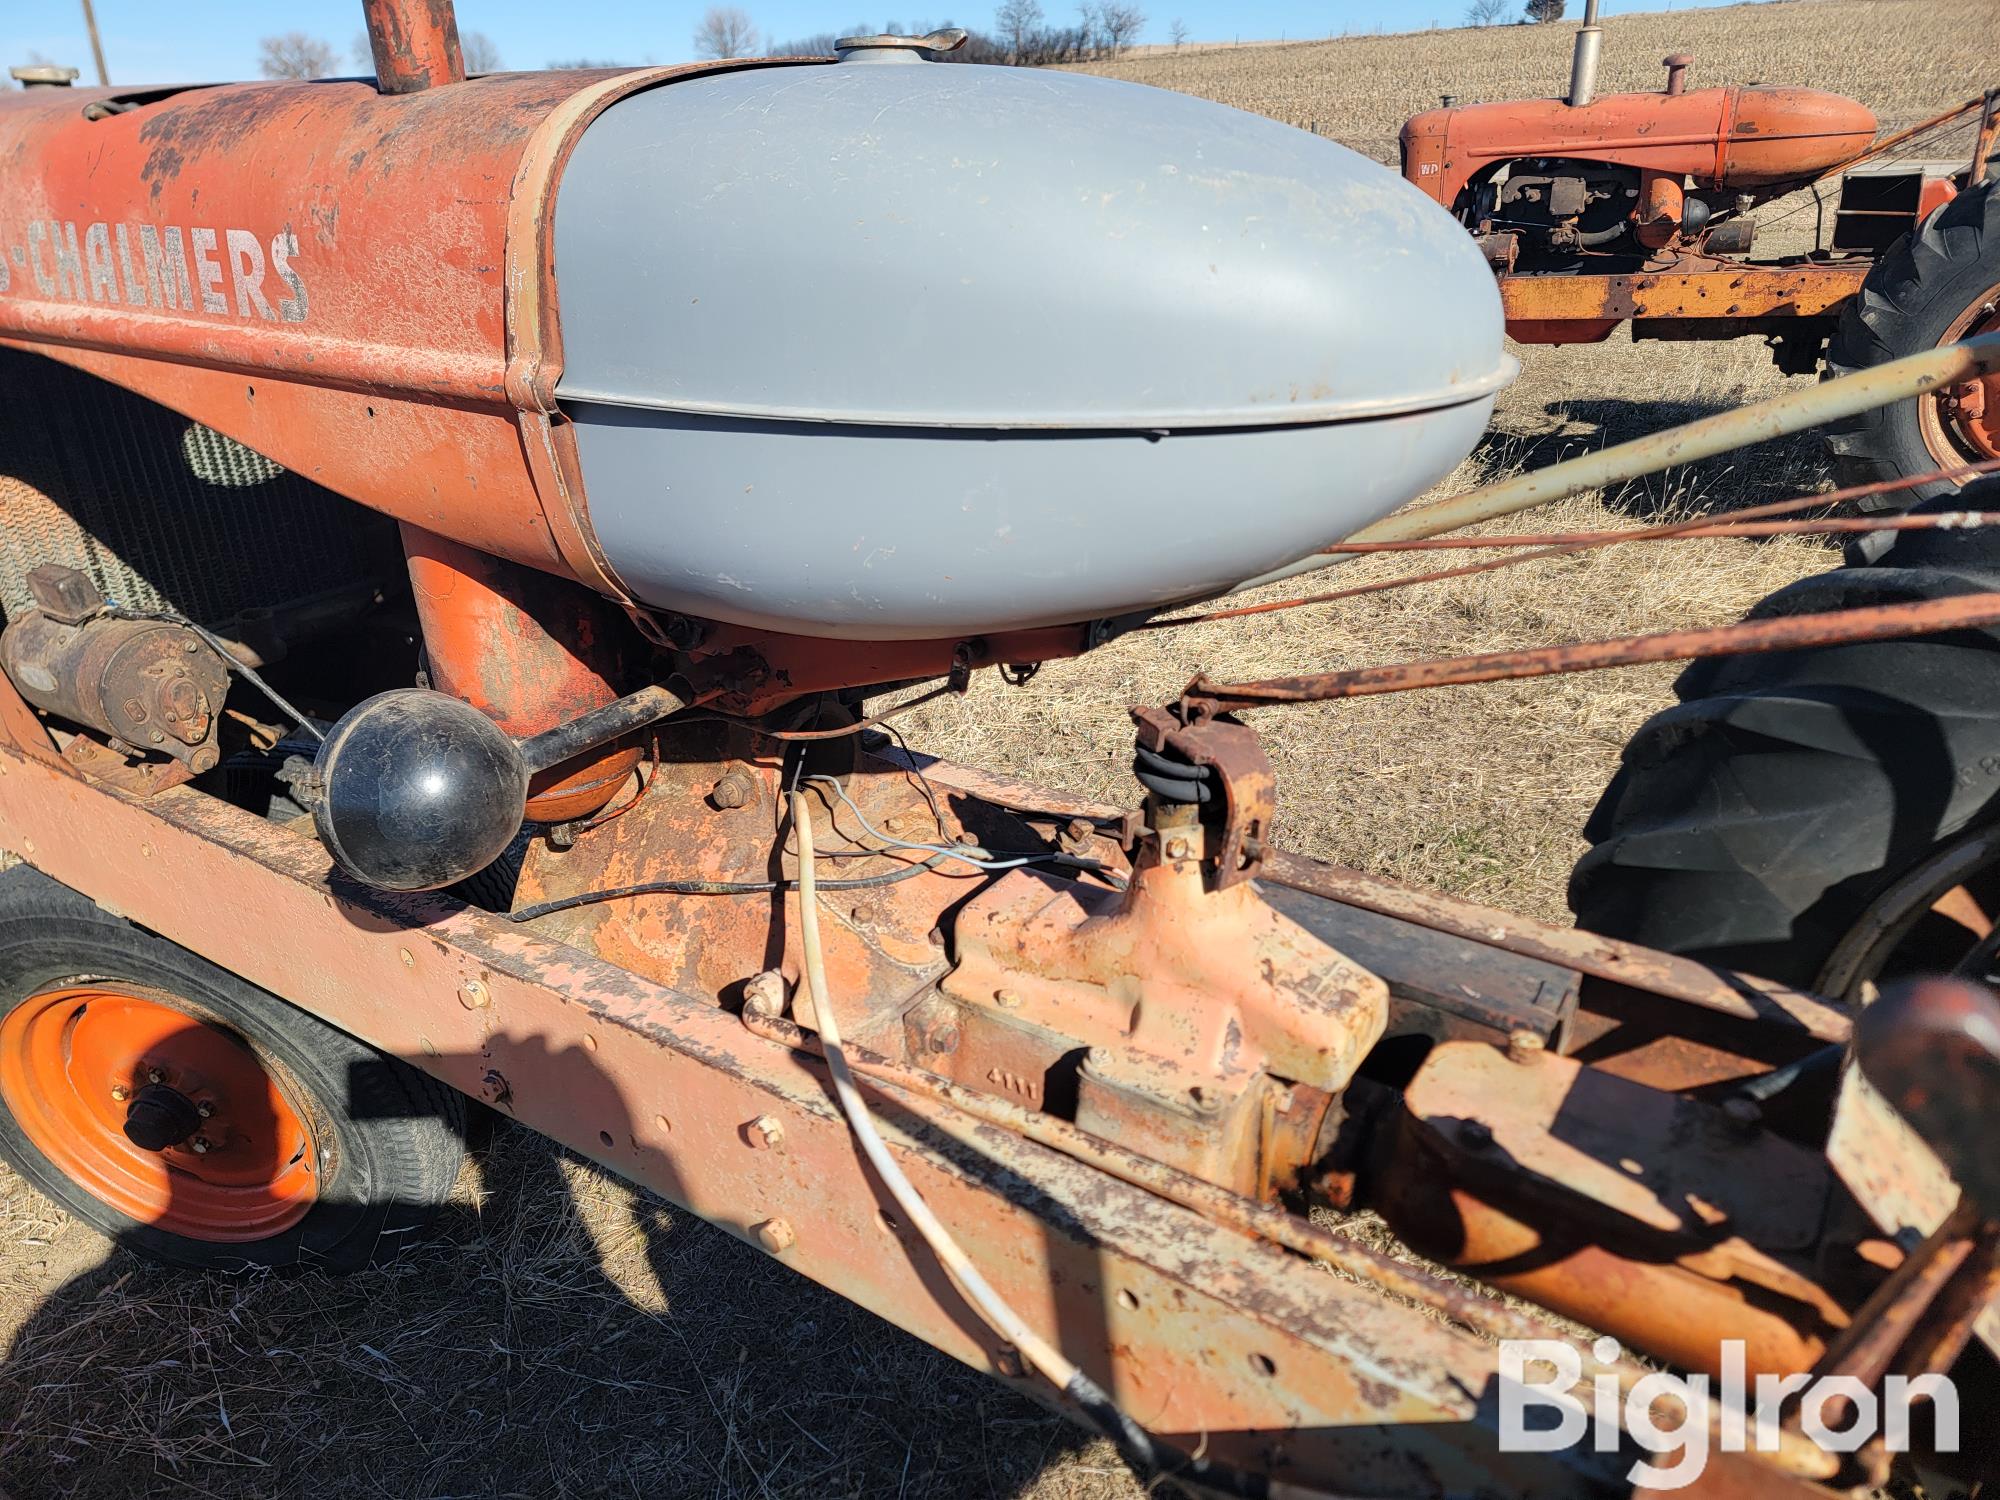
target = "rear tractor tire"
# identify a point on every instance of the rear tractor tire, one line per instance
(1829, 817)
(1936, 286)
(194, 1117)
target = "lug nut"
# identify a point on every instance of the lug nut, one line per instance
(776, 1236)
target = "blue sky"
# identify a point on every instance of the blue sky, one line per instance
(154, 41)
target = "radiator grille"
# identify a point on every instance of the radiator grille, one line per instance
(159, 511)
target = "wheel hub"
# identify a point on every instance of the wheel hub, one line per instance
(1963, 421)
(166, 1116)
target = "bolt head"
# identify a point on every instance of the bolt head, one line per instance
(120, 1092)
(1525, 1046)
(1007, 999)
(204, 1109)
(776, 1236)
(767, 1132)
(474, 995)
(1177, 848)
(867, 913)
(199, 1145)
(944, 1039)
(734, 790)
(154, 1075)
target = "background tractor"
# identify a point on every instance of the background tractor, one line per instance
(1637, 208)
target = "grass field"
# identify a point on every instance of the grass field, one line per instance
(561, 1335)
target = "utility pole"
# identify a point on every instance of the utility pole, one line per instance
(96, 46)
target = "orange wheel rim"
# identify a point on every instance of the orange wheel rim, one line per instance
(1963, 421)
(74, 1060)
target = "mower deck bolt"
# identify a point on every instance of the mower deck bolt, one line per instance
(1177, 848)
(1525, 1046)
(204, 1109)
(199, 1145)
(776, 1236)
(1007, 999)
(767, 1132)
(154, 1075)
(120, 1092)
(474, 995)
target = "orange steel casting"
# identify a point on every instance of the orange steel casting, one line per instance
(530, 651)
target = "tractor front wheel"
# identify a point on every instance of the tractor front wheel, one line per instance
(1936, 286)
(194, 1117)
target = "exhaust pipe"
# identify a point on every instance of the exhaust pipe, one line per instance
(415, 43)
(1583, 65)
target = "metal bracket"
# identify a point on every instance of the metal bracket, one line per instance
(1249, 785)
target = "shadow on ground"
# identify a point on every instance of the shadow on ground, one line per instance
(1756, 475)
(554, 1333)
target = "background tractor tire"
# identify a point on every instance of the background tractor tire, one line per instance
(1935, 286)
(293, 1144)
(1821, 817)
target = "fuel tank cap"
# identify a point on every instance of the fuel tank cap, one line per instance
(886, 48)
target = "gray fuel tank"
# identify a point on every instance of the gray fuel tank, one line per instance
(902, 349)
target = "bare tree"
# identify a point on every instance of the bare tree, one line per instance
(725, 31)
(1016, 21)
(1485, 12)
(481, 56)
(1121, 25)
(1178, 32)
(295, 55)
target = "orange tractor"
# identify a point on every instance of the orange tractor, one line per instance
(1636, 208)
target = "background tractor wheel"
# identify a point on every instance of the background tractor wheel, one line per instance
(1935, 287)
(194, 1117)
(1821, 817)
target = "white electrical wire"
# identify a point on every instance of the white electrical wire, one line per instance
(1036, 1350)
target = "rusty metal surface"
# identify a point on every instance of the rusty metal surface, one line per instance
(530, 651)
(1243, 774)
(1738, 291)
(415, 43)
(1217, 1338)
(1197, 1010)
(1786, 633)
(1654, 1217)
(1665, 976)
(1720, 136)
(155, 687)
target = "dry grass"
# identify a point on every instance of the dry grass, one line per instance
(564, 1335)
